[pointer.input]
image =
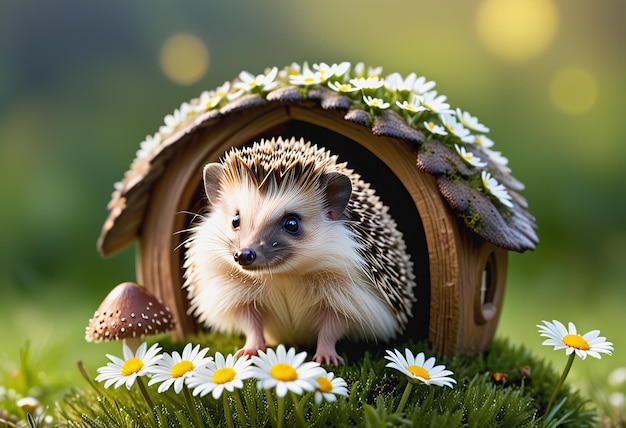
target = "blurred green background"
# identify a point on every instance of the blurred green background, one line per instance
(82, 83)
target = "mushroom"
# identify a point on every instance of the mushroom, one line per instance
(128, 312)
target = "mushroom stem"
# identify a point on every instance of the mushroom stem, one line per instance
(133, 343)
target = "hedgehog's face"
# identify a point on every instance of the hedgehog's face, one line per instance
(277, 229)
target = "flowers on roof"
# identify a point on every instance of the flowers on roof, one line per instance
(456, 128)
(471, 122)
(496, 189)
(375, 103)
(469, 157)
(413, 97)
(435, 128)
(560, 337)
(211, 99)
(248, 83)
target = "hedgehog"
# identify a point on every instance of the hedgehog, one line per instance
(296, 248)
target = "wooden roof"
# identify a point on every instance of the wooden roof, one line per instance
(509, 227)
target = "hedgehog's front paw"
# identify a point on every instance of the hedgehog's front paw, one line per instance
(328, 358)
(249, 351)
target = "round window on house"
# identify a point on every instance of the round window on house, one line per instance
(486, 309)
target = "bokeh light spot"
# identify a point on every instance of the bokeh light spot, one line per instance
(184, 59)
(573, 90)
(517, 30)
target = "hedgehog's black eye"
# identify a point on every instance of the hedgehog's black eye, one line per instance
(236, 221)
(291, 224)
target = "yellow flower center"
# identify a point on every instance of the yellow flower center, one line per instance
(223, 375)
(180, 368)
(419, 371)
(345, 87)
(431, 125)
(324, 384)
(309, 79)
(284, 372)
(576, 341)
(132, 365)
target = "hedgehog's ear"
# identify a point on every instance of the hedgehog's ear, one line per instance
(338, 193)
(212, 175)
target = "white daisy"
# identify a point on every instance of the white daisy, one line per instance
(435, 103)
(456, 128)
(483, 141)
(421, 86)
(148, 146)
(362, 83)
(307, 77)
(174, 369)
(360, 71)
(498, 190)
(470, 121)
(395, 82)
(414, 106)
(210, 99)
(125, 371)
(329, 387)
(433, 128)
(285, 371)
(220, 374)
(590, 343)
(326, 71)
(378, 103)
(178, 116)
(342, 87)
(418, 369)
(498, 159)
(248, 82)
(469, 157)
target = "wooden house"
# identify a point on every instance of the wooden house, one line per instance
(453, 197)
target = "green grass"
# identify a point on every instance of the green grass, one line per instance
(476, 401)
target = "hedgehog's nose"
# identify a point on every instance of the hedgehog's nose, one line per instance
(245, 256)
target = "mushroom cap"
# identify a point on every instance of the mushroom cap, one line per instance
(128, 311)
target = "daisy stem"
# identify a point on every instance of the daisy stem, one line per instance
(298, 410)
(192, 407)
(405, 397)
(227, 414)
(144, 392)
(270, 405)
(280, 417)
(568, 366)
(240, 411)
